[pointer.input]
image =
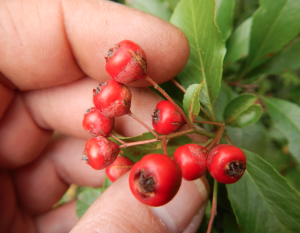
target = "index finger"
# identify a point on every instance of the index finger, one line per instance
(48, 43)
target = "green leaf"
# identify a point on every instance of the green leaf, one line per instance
(172, 3)
(253, 138)
(274, 25)
(86, 198)
(197, 20)
(263, 201)
(159, 8)
(225, 95)
(287, 60)
(285, 117)
(238, 44)
(242, 111)
(224, 16)
(191, 104)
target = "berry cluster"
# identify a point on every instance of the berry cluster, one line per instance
(156, 178)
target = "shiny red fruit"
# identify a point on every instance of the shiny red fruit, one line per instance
(119, 167)
(192, 160)
(166, 119)
(96, 123)
(155, 179)
(100, 152)
(113, 99)
(126, 62)
(226, 163)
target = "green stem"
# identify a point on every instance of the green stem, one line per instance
(213, 211)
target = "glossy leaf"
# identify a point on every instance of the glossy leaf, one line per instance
(274, 25)
(287, 60)
(263, 201)
(159, 8)
(197, 20)
(191, 104)
(224, 16)
(242, 111)
(225, 95)
(238, 44)
(285, 117)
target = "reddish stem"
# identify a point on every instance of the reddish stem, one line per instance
(217, 138)
(178, 85)
(128, 144)
(143, 123)
(155, 85)
(213, 211)
(164, 142)
(116, 138)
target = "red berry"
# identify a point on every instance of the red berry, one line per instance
(113, 99)
(166, 119)
(96, 123)
(119, 167)
(226, 163)
(126, 62)
(100, 152)
(192, 160)
(155, 179)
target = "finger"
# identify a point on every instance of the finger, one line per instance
(6, 96)
(61, 219)
(21, 139)
(42, 183)
(39, 54)
(116, 210)
(12, 219)
(62, 108)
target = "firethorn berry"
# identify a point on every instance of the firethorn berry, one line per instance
(113, 99)
(96, 123)
(166, 119)
(155, 179)
(100, 152)
(126, 62)
(226, 163)
(119, 167)
(192, 160)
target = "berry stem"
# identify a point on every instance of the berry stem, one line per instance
(157, 87)
(207, 142)
(217, 138)
(164, 142)
(128, 144)
(177, 84)
(116, 138)
(213, 211)
(143, 123)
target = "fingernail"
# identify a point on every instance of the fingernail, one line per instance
(184, 211)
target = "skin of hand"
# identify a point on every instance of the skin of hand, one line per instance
(52, 56)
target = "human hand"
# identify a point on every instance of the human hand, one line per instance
(49, 49)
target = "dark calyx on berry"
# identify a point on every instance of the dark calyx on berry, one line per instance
(156, 116)
(145, 184)
(236, 169)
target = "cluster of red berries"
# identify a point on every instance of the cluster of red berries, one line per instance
(156, 178)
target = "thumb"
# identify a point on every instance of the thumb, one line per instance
(117, 210)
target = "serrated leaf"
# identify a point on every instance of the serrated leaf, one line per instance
(285, 117)
(158, 8)
(238, 44)
(242, 111)
(191, 104)
(274, 25)
(224, 16)
(263, 201)
(196, 18)
(86, 198)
